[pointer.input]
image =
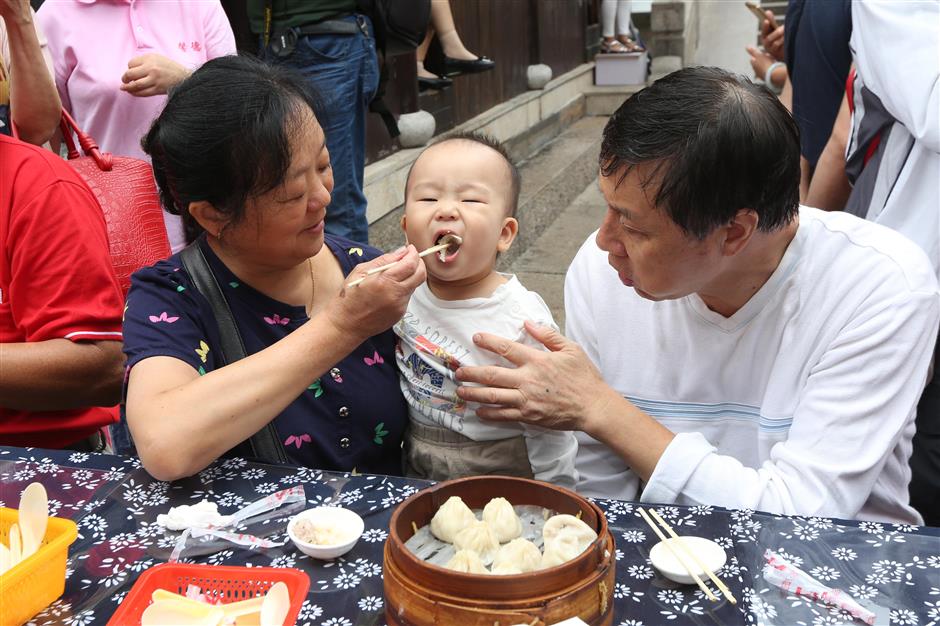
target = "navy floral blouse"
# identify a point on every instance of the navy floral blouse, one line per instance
(352, 417)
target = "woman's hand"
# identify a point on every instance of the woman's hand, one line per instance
(772, 37)
(560, 389)
(15, 10)
(152, 75)
(375, 304)
(761, 61)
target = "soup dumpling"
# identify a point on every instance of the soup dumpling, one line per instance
(452, 517)
(565, 537)
(467, 561)
(517, 556)
(501, 517)
(480, 538)
(568, 526)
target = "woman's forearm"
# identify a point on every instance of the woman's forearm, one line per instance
(181, 422)
(35, 107)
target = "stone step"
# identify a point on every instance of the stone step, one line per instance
(552, 180)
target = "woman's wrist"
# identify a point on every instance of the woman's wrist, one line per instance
(776, 87)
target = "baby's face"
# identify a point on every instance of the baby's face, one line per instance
(460, 187)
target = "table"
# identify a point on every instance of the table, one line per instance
(115, 504)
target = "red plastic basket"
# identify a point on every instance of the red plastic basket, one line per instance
(229, 583)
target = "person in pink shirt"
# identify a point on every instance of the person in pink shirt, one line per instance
(115, 60)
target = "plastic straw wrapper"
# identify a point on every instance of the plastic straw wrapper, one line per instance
(258, 507)
(781, 573)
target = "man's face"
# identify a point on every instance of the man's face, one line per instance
(649, 251)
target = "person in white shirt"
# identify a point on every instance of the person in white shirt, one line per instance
(466, 185)
(762, 356)
(893, 160)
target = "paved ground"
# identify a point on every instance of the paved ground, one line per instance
(726, 27)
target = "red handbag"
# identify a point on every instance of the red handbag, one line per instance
(127, 193)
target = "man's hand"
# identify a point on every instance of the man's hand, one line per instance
(151, 75)
(560, 389)
(772, 37)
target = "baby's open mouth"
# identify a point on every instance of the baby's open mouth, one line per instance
(448, 254)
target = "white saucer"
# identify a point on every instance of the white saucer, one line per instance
(708, 552)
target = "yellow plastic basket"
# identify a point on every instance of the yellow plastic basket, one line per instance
(39, 580)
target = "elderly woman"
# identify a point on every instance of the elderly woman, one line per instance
(239, 154)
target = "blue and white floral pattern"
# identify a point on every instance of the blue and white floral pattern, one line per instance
(115, 503)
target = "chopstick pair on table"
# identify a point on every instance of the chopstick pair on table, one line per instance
(683, 547)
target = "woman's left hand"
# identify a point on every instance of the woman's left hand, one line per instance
(152, 75)
(559, 389)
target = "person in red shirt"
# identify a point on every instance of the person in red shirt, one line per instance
(60, 305)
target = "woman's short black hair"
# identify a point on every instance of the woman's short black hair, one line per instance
(224, 135)
(716, 142)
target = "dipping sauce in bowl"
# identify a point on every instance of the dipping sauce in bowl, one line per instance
(325, 532)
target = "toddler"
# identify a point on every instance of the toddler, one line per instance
(466, 185)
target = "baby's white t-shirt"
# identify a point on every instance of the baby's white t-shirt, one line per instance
(437, 338)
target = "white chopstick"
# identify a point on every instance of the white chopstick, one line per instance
(723, 587)
(695, 577)
(382, 268)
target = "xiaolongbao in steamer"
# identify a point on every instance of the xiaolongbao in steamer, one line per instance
(561, 549)
(568, 525)
(517, 556)
(466, 561)
(480, 538)
(565, 537)
(501, 517)
(451, 518)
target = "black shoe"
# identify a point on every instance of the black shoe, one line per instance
(438, 82)
(460, 66)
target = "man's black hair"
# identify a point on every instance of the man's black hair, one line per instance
(716, 142)
(224, 135)
(515, 180)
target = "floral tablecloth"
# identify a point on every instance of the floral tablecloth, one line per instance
(115, 504)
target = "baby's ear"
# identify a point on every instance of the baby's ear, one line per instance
(403, 222)
(508, 234)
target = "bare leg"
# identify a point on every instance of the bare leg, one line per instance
(443, 22)
(421, 52)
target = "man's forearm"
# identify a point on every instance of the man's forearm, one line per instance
(58, 375)
(35, 107)
(630, 433)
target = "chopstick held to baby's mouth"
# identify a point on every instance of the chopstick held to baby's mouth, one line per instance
(449, 242)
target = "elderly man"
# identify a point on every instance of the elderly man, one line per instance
(735, 349)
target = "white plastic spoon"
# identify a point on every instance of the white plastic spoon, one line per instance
(275, 606)
(34, 517)
(16, 551)
(5, 559)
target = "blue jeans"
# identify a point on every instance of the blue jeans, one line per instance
(345, 71)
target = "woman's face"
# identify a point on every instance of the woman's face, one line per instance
(284, 226)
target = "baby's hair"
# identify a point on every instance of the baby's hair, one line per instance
(515, 183)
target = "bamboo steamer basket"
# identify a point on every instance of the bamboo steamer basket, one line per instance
(418, 593)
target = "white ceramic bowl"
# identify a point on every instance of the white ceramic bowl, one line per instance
(708, 552)
(335, 516)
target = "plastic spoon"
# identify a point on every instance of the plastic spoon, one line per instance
(5, 559)
(275, 606)
(34, 517)
(16, 551)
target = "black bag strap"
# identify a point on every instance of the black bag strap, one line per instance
(264, 444)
